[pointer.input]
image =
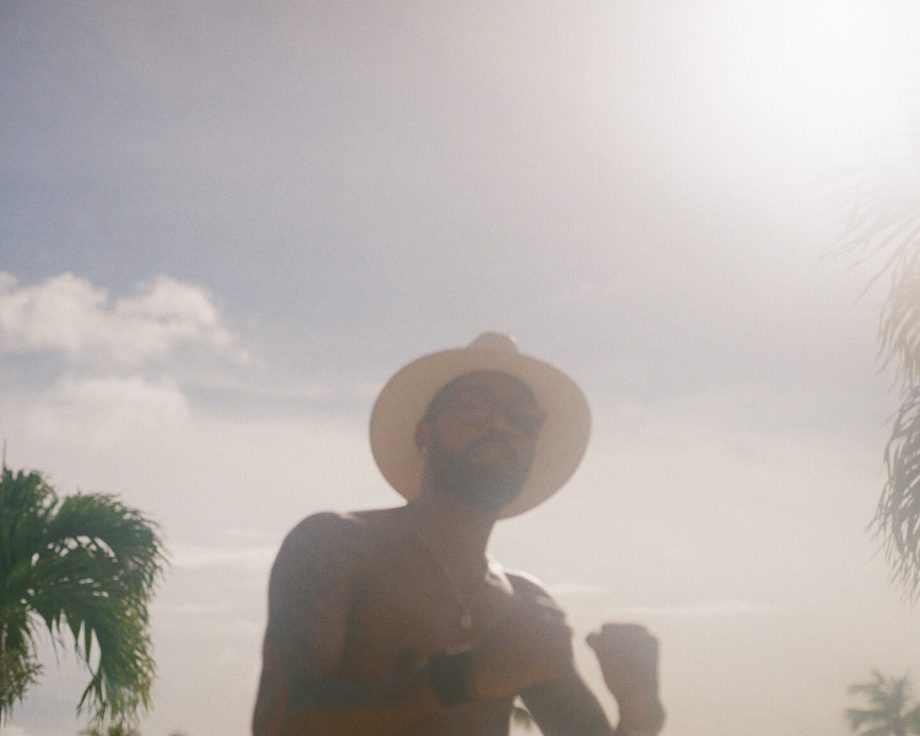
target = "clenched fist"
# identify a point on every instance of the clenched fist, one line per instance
(628, 655)
(533, 645)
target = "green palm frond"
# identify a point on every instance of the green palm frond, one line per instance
(106, 527)
(115, 729)
(520, 716)
(859, 718)
(897, 516)
(885, 225)
(18, 672)
(890, 713)
(85, 566)
(912, 720)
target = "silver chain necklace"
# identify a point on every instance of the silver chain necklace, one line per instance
(463, 602)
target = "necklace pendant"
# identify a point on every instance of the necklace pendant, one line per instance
(466, 620)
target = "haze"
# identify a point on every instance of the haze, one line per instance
(225, 225)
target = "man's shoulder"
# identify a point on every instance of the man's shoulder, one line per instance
(326, 530)
(529, 586)
(332, 531)
(319, 548)
(325, 522)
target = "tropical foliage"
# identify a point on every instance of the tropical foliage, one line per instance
(117, 729)
(885, 228)
(889, 713)
(520, 716)
(83, 567)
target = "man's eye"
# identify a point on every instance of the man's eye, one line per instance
(525, 421)
(473, 410)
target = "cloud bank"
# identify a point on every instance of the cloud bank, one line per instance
(709, 608)
(69, 316)
(102, 410)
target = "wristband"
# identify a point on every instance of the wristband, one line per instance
(448, 676)
(651, 729)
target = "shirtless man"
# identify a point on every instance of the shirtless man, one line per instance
(394, 622)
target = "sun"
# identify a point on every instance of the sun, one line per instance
(828, 78)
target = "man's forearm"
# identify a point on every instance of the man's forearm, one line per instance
(566, 706)
(640, 716)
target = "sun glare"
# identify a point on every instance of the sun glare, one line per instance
(832, 78)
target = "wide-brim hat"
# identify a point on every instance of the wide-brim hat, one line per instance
(405, 398)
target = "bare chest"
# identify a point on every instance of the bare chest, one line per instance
(409, 607)
(407, 612)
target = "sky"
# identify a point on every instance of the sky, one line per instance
(224, 225)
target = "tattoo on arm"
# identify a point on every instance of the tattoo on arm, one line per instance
(309, 605)
(310, 594)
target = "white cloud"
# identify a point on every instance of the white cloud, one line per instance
(101, 411)
(192, 609)
(249, 559)
(572, 589)
(68, 315)
(594, 292)
(243, 534)
(315, 391)
(709, 608)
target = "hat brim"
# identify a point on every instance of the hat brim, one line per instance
(404, 399)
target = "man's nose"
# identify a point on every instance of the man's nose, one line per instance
(499, 421)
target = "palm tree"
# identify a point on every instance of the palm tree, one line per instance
(117, 729)
(520, 716)
(888, 715)
(885, 223)
(85, 564)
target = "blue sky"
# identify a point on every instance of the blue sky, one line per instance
(224, 225)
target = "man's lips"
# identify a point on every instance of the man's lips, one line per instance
(493, 446)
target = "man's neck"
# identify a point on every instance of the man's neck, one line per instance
(456, 532)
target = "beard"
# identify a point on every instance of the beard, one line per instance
(485, 486)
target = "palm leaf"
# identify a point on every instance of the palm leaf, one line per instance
(84, 566)
(884, 223)
(520, 716)
(897, 516)
(912, 720)
(888, 714)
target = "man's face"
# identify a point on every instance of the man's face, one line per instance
(479, 435)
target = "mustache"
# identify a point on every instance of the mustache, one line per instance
(494, 436)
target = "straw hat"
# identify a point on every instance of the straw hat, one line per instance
(406, 396)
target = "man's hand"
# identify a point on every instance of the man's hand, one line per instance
(628, 655)
(533, 645)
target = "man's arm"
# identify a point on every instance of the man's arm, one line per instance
(311, 593)
(564, 705)
(628, 655)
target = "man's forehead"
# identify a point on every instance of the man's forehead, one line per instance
(493, 382)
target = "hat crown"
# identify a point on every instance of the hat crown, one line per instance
(406, 397)
(494, 341)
